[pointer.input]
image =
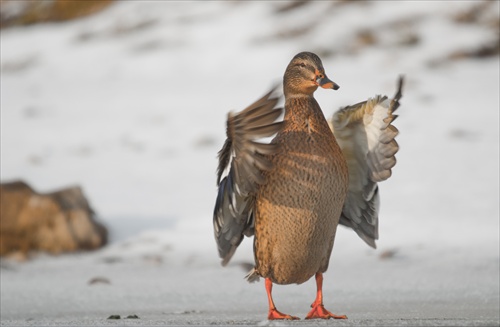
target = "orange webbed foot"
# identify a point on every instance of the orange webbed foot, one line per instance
(276, 315)
(318, 311)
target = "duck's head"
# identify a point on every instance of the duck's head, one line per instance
(304, 74)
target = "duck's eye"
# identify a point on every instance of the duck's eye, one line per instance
(300, 64)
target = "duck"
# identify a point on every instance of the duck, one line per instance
(291, 194)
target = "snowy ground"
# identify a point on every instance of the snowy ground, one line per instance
(131, 104)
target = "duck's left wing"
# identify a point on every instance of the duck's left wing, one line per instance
(366, 136)
(242, 162)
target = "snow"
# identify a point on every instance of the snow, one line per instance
(131, 104)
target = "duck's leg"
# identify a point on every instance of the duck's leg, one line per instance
(273, 312)
(318, 310)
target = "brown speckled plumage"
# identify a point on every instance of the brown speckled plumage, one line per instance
(298, 209)
(292, 193)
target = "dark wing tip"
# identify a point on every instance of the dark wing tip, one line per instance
(399, 94)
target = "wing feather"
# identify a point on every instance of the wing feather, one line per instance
(365, 133)
(242, 161)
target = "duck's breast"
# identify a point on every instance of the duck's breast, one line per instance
(298, 209)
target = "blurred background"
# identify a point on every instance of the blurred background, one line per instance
(128, 100)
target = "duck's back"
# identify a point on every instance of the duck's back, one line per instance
(298, 209)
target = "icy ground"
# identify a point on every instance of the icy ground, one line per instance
(131, 104)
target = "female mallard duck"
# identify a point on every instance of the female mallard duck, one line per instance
(292, 193)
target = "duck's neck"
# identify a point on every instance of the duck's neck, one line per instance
(301, 108)
(302, 113)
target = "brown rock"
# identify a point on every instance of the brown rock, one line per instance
(56, 222)
(14, 12)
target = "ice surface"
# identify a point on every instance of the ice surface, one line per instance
(131, 104)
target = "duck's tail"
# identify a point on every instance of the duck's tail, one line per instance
(252, 276)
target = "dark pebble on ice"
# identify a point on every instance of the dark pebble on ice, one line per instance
(99, 280)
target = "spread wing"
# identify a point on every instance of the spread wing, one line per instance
(242, 162)
(366, 136)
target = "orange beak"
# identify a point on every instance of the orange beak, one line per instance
(326, 83)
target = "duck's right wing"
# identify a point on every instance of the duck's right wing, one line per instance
(242, 161)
